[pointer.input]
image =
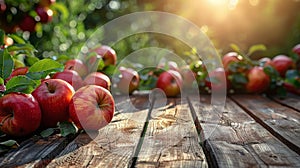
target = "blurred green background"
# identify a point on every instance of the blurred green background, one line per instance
(275, 23)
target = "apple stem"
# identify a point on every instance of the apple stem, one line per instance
(70, 68)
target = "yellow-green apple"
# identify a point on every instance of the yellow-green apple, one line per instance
(129, 80)
(28, 24)
(170, 82)
(78, 66)
(230, 57)
(70, 76)
(108, 54)
(258, 80)
(282, 63)
(44, 13)
(217, 80)
(296, 49)
(92, 107)
(98, 78)
(20, 114)
(54, 96)
(17, 72)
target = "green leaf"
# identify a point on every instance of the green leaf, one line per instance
(239, 78)
(254, 48)
(47, 132)
(21, 83)
(9, 143)
(235, 48)
(42, 68)
(109, 70)
(31, 60)
(67, 128)
(2, 35)
(21, 47)
(6, 64)
(17, 39)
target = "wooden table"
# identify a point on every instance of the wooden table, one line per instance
(251, 131)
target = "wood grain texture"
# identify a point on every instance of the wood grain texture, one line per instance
(171, 139)
(234, 139)
(35, 152)
(113, 145)
(281, 121)
(291, 101)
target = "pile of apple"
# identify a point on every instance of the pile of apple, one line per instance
(74, 94)
(25, 17)
(267, 75)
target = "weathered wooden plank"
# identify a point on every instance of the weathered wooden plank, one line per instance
(114, 145)
(281, 121)
(292, 101)
(234, 139)
(171, 139)
(35, 151)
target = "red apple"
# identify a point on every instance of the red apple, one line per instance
(2, 88)
(108, 54)
(266, 61)
(54, 96)
(217, 80)
(20, 114)
(291, 88)
(258, 80)
(70, 76)
(188, 77)
(129, 80)
(230, 57)
(170, 82)
(78, 66)
(92, 107)
(27, 24)
(17, 72)
(296, 49)
(44, 13)
(171, 65)
(98, 78)
(282, 63)
(46, 3)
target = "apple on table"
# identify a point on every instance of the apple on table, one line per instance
(129, 80)
(53, 96)
(20, 114)
(170, 82)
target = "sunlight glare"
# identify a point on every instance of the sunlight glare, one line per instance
(218, 2)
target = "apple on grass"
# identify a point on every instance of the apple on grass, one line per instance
(54, 96)
(258, 80)
(129, 80)
(20, 114)
(170, 82)
(98, 78)
(78, 66)
(70, 76)
(92, 108)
